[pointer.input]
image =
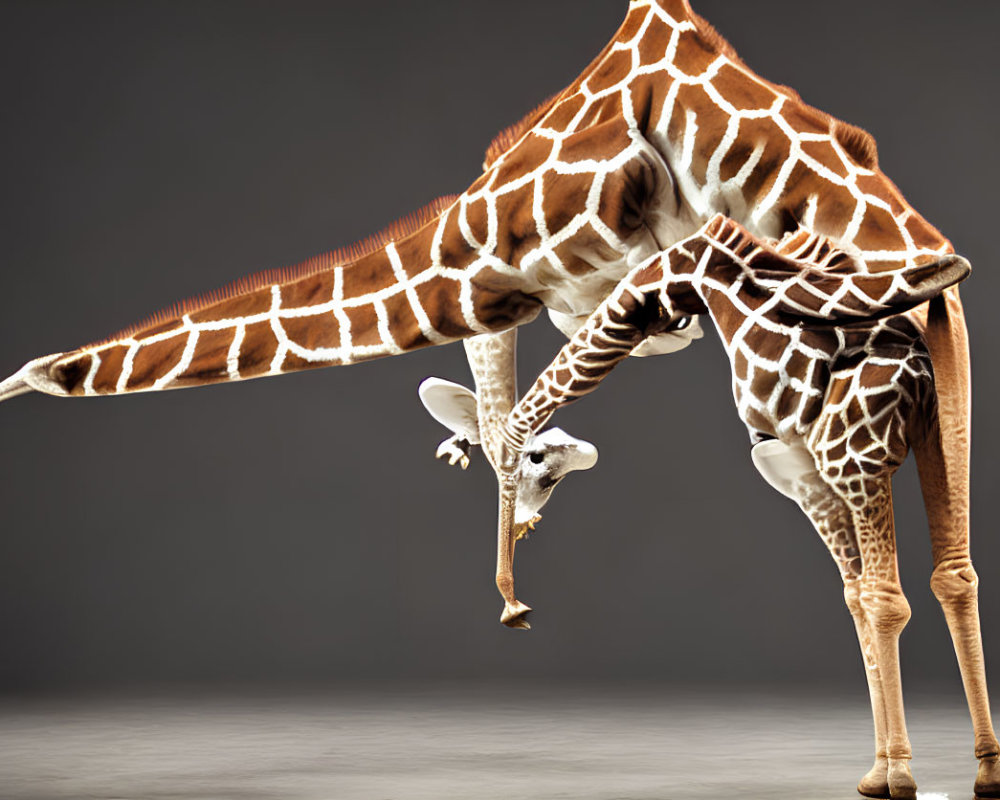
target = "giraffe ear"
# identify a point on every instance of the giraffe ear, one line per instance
(453, 406)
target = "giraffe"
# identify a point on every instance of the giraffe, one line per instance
(834, 386)
(666, 128)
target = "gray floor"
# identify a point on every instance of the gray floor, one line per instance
(452, 743)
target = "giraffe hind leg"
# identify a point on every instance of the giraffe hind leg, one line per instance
(942, 454)
(792, 471)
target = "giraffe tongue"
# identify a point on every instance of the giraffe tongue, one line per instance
(514, 611)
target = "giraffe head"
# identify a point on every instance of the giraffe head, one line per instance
(547, 459)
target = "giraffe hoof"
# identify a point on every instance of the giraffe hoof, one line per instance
(901, 783)
(988, 777)
(514, 616)
(876, 781)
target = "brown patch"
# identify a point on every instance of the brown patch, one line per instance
(878, 186)
(455, 251)
(759, 422)
(647, 101)
(826, 154)
(369, 274)
(678, 9)
(752, 132)
(563, 113)
(246, 305)
(524, 159)
(838, 451)
(804, 118)
(763, 383)
(403, 322)
(613, 70)
(694, 53)
(312, 291)
(877, 404)
(788, 402)
(773, 346)
(879, 231)
(112, 358)
(210, 355)
(565, 198)
(741, 91)
(364, 325)
(926, 235)
(859, 144)
(257, 350)
(476, 216)
(603, 111)
(630, 27)
(72, 371)
(797, 364)
(875, 286)
(799, 294)
(500, 308)
(441, 300)
(518, 233)
(572, 262)
(599, 142)
(624, 198)
(321, 331)
(728, 318)
(512, 134)
(653, 47)
(156, 359)
(860, 439)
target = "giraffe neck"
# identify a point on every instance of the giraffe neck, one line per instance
(404, 295)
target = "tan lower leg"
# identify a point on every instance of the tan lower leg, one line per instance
(956, 586)
(852, 594)
(875, 783)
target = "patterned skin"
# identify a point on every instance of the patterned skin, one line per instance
(833, 384)
(665, 129)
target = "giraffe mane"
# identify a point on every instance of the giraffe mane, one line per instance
(401, 228)
(512, 134)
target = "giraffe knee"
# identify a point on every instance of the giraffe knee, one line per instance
(955, 582)
(886, 607)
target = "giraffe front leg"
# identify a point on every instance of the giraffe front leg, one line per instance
(886, 612)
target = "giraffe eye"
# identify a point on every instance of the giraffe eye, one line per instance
(536, 458)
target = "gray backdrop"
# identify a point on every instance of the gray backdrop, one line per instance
(298, 530)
